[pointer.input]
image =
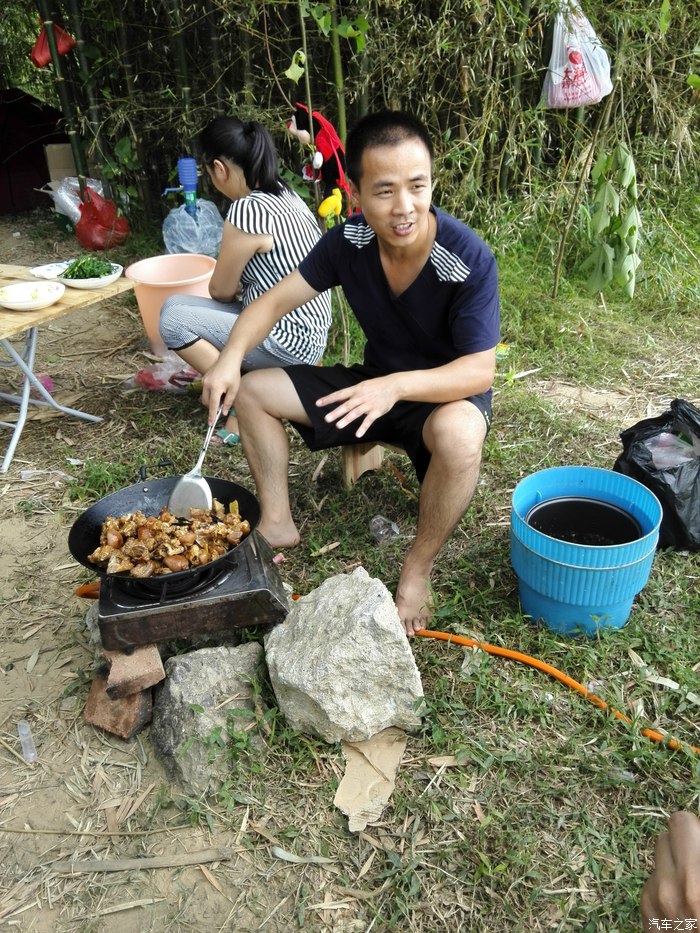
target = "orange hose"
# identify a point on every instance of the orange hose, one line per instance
(558, 675)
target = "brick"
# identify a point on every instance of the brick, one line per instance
(133, 672)
(123, 717)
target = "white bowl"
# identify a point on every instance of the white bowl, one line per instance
(94, 283)
(30, 296)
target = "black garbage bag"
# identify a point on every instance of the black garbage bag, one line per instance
(663, 453)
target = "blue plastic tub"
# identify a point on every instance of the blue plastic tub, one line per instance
(582, 588)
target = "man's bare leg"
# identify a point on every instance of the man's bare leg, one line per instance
(265, 399)
(454, 433)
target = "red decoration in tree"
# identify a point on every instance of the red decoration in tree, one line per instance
(41, 53)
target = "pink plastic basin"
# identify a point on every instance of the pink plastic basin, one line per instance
(159, 277)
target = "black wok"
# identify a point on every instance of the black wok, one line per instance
(149, 497)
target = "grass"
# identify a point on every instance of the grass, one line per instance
(546, 818)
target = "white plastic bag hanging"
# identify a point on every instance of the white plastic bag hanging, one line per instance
(579, 68)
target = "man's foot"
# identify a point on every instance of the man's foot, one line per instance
(414, 602)
(279, 534)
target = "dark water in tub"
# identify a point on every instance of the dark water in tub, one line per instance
(581, 520)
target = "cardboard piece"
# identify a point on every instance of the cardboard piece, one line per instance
(59, 159)
(369, 778)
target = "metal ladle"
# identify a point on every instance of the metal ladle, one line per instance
(192, 490)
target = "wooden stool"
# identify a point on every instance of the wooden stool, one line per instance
(359, 458)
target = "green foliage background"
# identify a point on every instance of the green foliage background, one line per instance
(473, 70)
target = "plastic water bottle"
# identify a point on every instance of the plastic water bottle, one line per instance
(187, 176)
(383, 530)
(26, 740)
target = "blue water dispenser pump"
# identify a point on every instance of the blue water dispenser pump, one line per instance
(187, 176)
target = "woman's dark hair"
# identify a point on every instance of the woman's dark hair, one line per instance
(384, 128)
(248, 145)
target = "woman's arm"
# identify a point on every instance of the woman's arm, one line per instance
(221, 381)
(237, 249)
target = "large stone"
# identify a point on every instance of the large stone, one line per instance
(200, 705)
(341, 666)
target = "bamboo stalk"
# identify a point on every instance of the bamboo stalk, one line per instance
(307, 86)
(61, 90)
(273, 71)
(515, 106)
(95, 117)
(181, 57)
(136, 138)
(338, 78)
(245, 51)
(215, 45)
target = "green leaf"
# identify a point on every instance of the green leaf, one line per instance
(322, 14)
(629, 229)
(296, 69)
(122, 150)
(347, 30)
(694, 81)
(600, 264)
(601, 167)
(625, 273)
(665, 16)
(624, 163)
(606, 203)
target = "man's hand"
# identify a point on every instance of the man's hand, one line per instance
(371, 398)
(673, 890)
(220, 387)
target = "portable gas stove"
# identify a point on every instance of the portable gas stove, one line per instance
(241, 589)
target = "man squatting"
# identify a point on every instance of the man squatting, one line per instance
(424, 289)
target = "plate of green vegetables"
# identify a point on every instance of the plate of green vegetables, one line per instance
(90, 272)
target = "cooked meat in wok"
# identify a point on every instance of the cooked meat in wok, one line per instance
(146, 545)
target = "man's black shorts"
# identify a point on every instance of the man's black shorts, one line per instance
(403, 425)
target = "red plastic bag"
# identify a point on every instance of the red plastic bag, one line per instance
(100, 226)
(579, 68)
(40, 55)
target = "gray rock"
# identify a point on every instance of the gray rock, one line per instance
(340, 665)
(189, 733)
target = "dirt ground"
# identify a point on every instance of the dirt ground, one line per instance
(87, 791)
(91, 795)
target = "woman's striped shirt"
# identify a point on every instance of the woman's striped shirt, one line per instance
(294, 230)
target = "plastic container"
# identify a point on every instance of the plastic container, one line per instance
(383, 529)
(187, 176)
(579, 588)
(183, 233)
(161, 276)
(26, 740)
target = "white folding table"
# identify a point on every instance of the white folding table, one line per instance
(14, 324)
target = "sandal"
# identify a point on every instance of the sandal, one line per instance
(228, 438)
